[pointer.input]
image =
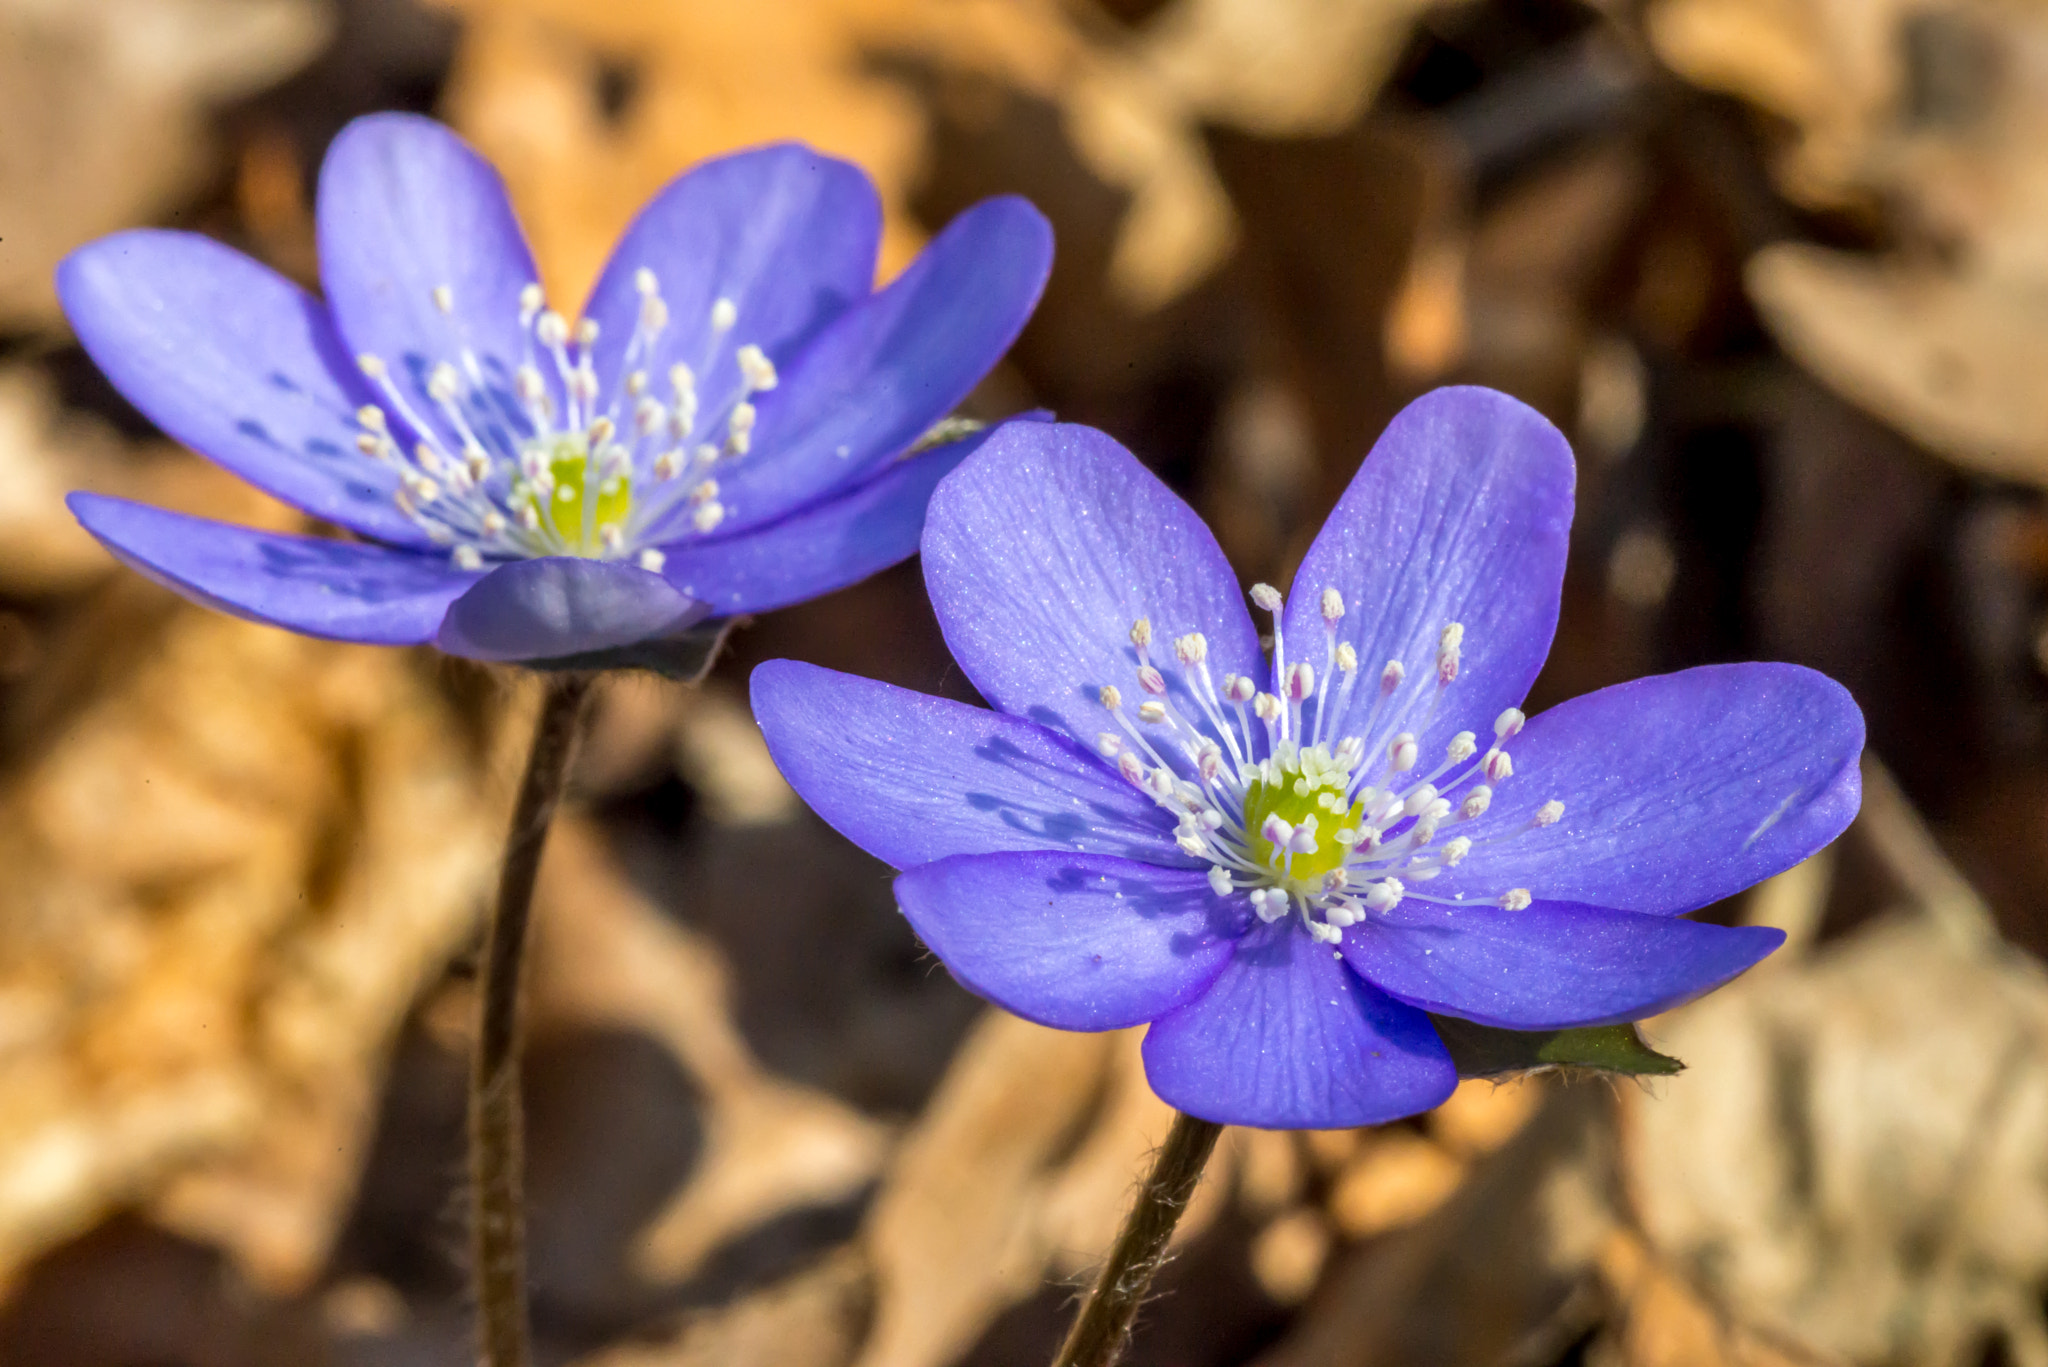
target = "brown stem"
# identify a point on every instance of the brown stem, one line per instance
(1104, 1325)
(496, 1121)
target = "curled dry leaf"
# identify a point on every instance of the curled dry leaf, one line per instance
(590, 108)
(603, 955)
(105, 102)
(230, 870)
(1940, 114)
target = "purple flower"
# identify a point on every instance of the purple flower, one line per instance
(1282, 865)
(720, 433)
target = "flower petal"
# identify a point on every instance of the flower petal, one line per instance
(1551, 965)
(1077, 942)
(911, 778)
(558, 606)
(1678, 790)
(1288, 1038)
(404, 208)
(1041, 552)
(825, 547)
(236, 362)
(785, 233)
(342, 590)
(1461, 514)
(884, 371)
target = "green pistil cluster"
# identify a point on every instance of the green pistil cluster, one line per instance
(590, 521)
(1302, 788)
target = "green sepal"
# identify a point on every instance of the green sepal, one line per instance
(1485, 1051)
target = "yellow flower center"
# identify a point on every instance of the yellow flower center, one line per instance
(1296, 794)
(579, 508)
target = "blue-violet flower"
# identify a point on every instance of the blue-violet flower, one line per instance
(720, 432)
(1283, 864)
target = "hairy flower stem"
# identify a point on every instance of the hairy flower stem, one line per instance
(1104, 1325)
(496, 1121)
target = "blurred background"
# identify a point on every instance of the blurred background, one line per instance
(1778, 267)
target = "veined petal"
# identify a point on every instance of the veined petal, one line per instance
(1461, 514)
(235, 361)
(1043, 550)
(1678, 790)
(877, 378)
(785, 234)
(911, 778)
(1551, 965)
(342, 590)
(555, 607)
(1077, 942)
(1287, 1037)
(821, 548)
(405, 208)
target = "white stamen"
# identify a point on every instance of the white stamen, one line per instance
(1515, 899)
(1191, 649)
(1497, 767)
(707, 518)
(1333, 606)
(1549, 812)
(1508, 723)
(1447, 653)
(1476, 802)
(757, 372)
(1463, 746)
(1152, 712)
(724, 314)
(444, 299)
(1391, 676)
(1152, 681)
(1347, 659)
(1219, 881)
(1266, 597)
(1111, 697)
(1402, 752)
(468, 558)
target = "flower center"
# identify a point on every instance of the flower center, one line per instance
(505, 471)
(1335, 830)
(1308, 797)
(585, 503)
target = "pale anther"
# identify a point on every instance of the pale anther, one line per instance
(1151, 680)
(652, 560)
(370, 366)
(1266, 597)
(1463, 746)
(1112, 697)
(468, 558)
(1549, 812)
(1152, 712)
(1141, 632)
(1347, 659)
(1333, 606)
(1515, 899)
(755, 368)
(1391, 676)
(1497, 767)
(1402, 752)
(444, 299)
(586, 332)
(1191, 649)
(724, 314)
(708, 517)
(1508, 723)
(1476, 802)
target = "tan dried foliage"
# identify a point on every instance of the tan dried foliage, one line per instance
(104, 103)
(232, 862)
(1940, 114)
(708, 78)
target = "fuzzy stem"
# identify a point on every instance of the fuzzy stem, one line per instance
(1104, 1324)
(496, 1120)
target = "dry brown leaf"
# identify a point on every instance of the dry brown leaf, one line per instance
(707, 79)
(813, 1319)
(603, 955)
(1022, 1165)
(104, 103)
(231, 871)
(1851, 1160)
(1940, 114)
